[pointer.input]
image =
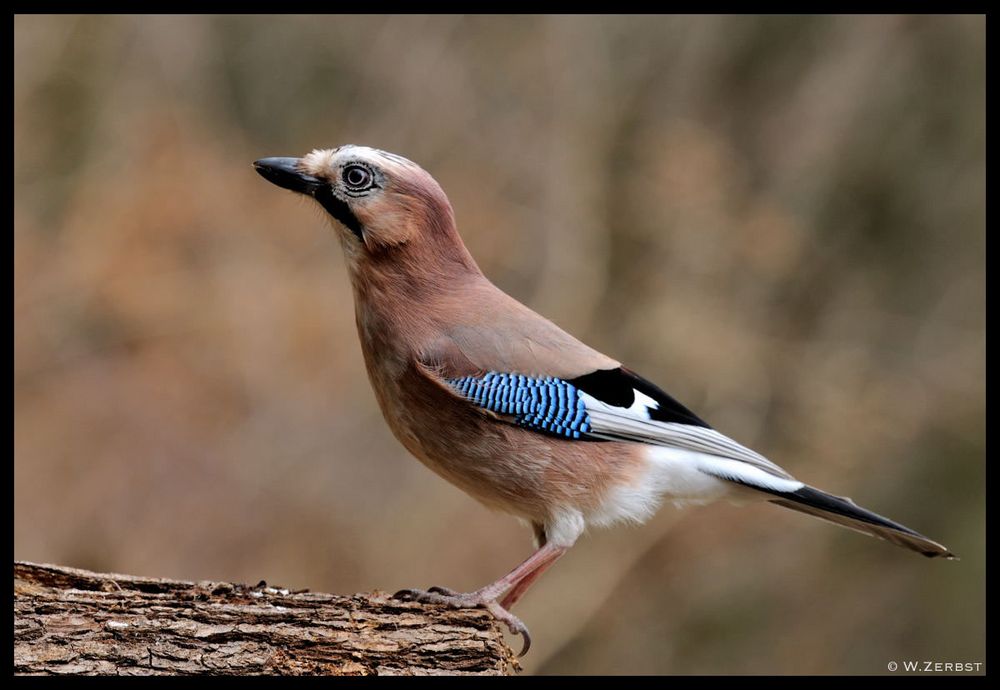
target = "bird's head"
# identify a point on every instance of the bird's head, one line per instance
(387, 208)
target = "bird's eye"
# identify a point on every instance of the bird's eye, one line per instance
(357, 176)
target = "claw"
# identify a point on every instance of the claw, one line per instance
(514, 624)
(523, 632)
(479, 599)
(527, 643)
(434, 595)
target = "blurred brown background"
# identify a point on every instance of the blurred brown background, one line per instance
(780, 220)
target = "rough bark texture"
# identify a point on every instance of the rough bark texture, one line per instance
(69, 621)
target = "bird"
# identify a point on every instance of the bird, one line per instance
(506, 405)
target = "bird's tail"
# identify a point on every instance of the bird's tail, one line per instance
(843, 511)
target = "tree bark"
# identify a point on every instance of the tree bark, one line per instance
(70, 621)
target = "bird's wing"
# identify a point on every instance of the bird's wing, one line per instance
(621, 405)
(603, 405)
(511, 362)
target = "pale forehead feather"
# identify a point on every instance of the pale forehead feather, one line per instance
(319, 161)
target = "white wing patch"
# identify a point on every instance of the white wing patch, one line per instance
(642, 404)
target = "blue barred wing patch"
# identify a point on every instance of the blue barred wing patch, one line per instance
(542, 404)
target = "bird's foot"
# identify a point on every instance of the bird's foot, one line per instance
(483, 598)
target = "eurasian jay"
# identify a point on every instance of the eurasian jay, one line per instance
(505, 404)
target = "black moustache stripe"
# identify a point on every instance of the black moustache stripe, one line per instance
(339, 210)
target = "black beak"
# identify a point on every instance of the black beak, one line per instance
(284, 172)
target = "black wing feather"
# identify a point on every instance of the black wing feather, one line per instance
(617, 387)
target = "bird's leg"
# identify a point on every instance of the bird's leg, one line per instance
(516, 592)
(518, 580)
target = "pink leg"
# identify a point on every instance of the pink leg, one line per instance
(515, 594)
(518, 580)
(530, 569)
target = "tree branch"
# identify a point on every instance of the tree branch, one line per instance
(70, 621)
